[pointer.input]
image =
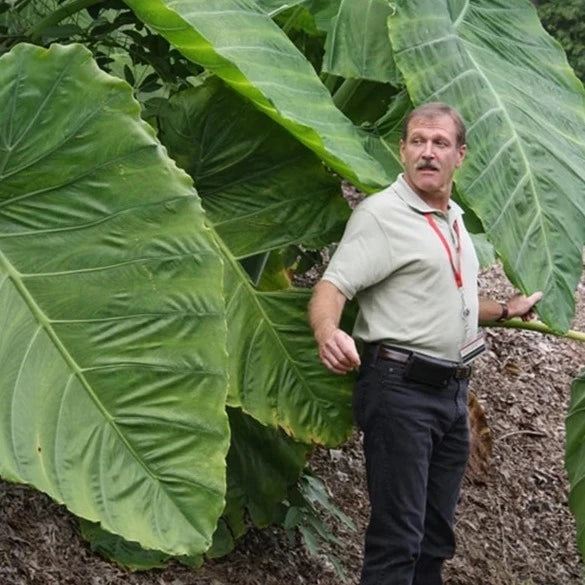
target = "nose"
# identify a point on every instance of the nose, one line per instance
(428, 150)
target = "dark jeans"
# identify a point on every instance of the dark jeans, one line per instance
(416, 443)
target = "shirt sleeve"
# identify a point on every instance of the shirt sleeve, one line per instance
(363, 257)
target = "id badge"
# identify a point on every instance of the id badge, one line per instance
(473, 349)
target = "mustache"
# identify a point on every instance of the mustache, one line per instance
(426, 165)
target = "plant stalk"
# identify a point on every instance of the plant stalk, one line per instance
(329, 81)
(58, 15)
(345, 92)
(535, 326)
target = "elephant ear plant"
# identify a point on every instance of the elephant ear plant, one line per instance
(158, 374)
(113, 344)
(116, 290)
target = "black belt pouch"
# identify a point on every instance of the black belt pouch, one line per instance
(426, 370)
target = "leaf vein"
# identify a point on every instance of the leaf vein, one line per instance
(449, 37)
(144, 259)
(43, 155)
(103, 165)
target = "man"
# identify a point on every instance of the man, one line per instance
(407, 257)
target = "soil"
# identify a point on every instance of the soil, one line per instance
(513, 525)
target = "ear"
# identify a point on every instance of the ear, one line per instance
(461, 155)
(402, 151)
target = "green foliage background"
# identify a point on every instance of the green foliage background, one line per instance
(564, 21)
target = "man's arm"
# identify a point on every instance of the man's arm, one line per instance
(517, 306)
(337, 349)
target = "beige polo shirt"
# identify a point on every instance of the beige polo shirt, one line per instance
(392, 260)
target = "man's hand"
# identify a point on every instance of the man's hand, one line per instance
(518, 306)
(522, 306)
(337, 352)
(337, 349)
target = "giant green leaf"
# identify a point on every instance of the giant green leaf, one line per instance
(358, 45)
(126, 554)
(275, 375)
(525, 110)
(382, 136)
(261, 188)
(484, 250)
(241, 44)
(575, 455)
(262, 465)
(259, 478)
(112, 320)
(324, 12)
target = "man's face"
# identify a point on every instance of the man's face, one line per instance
(430, 155)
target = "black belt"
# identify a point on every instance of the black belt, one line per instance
(421, 367)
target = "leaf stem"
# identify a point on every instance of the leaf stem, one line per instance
(536, 326)
(58, 15)
(329, 81)
(345, 92)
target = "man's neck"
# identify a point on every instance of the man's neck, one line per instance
(438, 201)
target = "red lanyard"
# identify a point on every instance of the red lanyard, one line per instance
(455, 267)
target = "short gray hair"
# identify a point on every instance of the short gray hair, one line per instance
(433, 109)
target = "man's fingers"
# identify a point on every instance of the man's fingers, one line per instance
(354, 356)
(339, 353)
(336, 353)
(335, 365)
(534, 297)
(523, 306)
(347, 345)
(335, 369)
(342, 346)
(337, 359)
(530, 301)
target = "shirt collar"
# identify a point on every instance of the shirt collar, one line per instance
(405, 192)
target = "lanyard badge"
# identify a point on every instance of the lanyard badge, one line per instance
(476, 346)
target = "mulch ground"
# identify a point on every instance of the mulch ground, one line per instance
(513, 523)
